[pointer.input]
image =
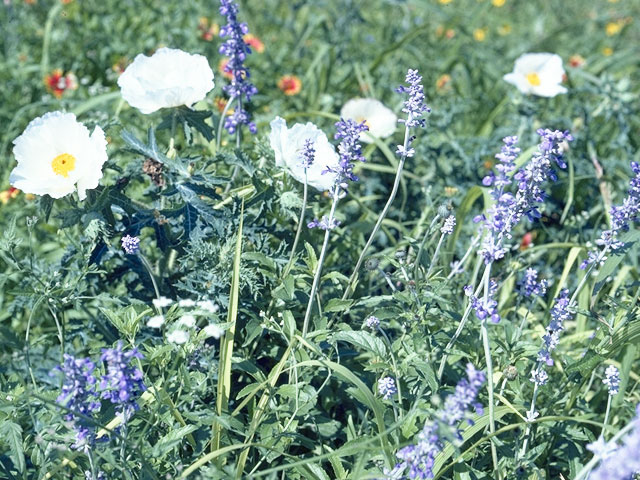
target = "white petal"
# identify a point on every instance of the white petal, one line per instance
(168, 78)
(47, 137)
(381, 120)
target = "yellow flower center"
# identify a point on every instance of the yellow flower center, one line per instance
(63, 164)
(534, 79)
(366, 122)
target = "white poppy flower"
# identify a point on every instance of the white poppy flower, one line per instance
(287, 143)
(380, 120)
(168, 78)
(156, 321)
(212, 330)
(538, 74)
(56, 154)
(178, 337)
(188, 321)
(162, 302)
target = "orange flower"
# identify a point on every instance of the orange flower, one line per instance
(290, 85)
(66, 2)
(57, 83)
(527, 240)
(576, 61)
(442, 84)
(8, 195)
(450, 33)
(220, 103)
(207, 29)
(222, 68)
(607, 51)
(254, 42)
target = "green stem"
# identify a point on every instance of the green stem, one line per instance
(461, 325)
(46, 38)
(487, 355)
(606, 415)
(416, 267)
(435, 254)
(323, 252)
(394, 190)
(299, 230)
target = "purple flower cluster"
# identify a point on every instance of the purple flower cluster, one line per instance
(509, 208)
(236, 49)
(82, 392)
(529, 285)
(449, 225)
(419, 459)
(308, 153)
(612, 379)
(414, 106)
(620, 462)
(80, 395)
(560, 313)
(372, 322)
(486, 306)
(324, 223)
(123, 382)
(348, 132)
(130, 244)
(621, 217)
(387, 387)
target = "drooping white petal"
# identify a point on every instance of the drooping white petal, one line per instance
(168, 78)
(287, 144)
(381, 120)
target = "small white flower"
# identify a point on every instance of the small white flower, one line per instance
(208, 305)
(162, 302)
(380, 120)
(178, 337)
(538, 74)
(168, 78)
(156, 321)
(187, 303)
(187, 321)
(55, 154)
(532, 416)
(212, 330)
(287, 144)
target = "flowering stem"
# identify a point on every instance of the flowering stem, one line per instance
(592, 463)
(149, 270)
(532, 410)
(221, 123)
(461, 325)
(323, 252)
(381, 217)
(487, 355)
(435, 254)
(460, 266)
(395, 367)
(416, 267)
(299, 230)
(606, 416)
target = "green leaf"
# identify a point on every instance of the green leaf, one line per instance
(171, 440)
(364, 340)
(337, 305)
(11, 434)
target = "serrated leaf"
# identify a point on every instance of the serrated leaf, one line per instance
(11, 434)
(364, 340)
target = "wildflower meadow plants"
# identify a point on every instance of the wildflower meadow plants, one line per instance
(351, 240)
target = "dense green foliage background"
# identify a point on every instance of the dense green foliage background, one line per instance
(61, 262)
